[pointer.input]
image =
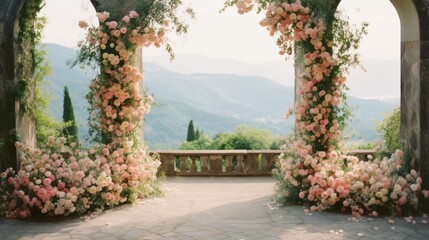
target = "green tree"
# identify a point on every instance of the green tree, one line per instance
(46, 125)
(254, 138)
(70, 131)
(191, 132)
(197, 134)
(389, 129)
(243, 137)
(221, 141)
(202, 143)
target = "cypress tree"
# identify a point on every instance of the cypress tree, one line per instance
(68, 117)
(191, 132)
(197, 134)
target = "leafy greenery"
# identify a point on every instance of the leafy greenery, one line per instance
(389, 129)
(69, 131)
(197, 134)
(29, 59)
(202, 143)
(46, 125)
(243, 137)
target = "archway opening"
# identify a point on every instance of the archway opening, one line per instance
(227, 72)
(375, 88)
(60, 39)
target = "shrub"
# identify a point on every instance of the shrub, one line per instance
(389, 129)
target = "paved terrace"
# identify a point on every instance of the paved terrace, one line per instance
(215, 208)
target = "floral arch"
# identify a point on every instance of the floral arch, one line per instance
(119, 170)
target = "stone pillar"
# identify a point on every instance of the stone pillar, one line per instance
(414, 16)
(423, 161)
(13, 121)
(410, 100)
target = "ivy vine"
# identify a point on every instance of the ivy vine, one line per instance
(29, 36)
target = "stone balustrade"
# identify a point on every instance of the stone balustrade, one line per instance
(225, 162)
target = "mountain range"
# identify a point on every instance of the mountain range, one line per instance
(215, 102)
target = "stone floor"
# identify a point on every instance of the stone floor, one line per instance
(216, 208)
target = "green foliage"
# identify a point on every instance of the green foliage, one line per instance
(202, 143)
(197, 134)
(389, 129)
(365, 146)
(285, 191)
(45, 124)
(251, 138)
(278, 143)
(243, 137)
(29, 36)
(69, 131)
(191, 132)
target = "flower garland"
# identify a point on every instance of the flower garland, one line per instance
(311, 170)
(117, 107)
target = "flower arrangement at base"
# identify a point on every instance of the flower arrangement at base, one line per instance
(331, 180)
(312, 170)
(62, 180)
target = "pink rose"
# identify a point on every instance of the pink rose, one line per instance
(47, 181)
(126, 19)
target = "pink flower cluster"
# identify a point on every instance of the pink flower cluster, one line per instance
(244, 6)
(329, 180)
(127, 28)
(59, 180)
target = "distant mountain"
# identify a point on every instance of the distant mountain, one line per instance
(362, 82)
(216, 102)
(281, 71)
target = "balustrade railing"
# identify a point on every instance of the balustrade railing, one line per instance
(225, 162)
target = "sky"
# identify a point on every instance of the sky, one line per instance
(230, 35)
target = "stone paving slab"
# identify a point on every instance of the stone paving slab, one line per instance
(215, 208)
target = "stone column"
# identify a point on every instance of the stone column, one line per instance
(414, 16)
(410, 100)
(13, 120)
(423, 161)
